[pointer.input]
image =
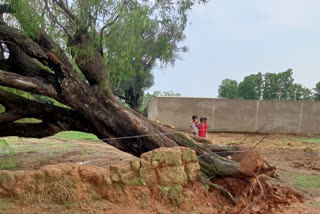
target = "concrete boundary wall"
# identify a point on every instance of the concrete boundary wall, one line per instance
(300, 117)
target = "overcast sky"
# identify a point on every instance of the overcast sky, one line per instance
(232, 39)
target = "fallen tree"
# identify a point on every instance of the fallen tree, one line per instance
(33, 61)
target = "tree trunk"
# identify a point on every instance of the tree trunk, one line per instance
(133, 98)
(112, 120)
(93, 107)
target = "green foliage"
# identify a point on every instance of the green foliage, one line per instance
(30, 21)
(228, 89)
(278, 86)
(285, 82)
(145, 102)
(137, 43)
(298, 92)
(251, 87)
(317, 92)
(270, 86)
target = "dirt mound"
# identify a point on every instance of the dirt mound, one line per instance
(262, 197)
(257, 195)
(161, 181)
(162, 167)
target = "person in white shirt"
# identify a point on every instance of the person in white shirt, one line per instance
(194, 125)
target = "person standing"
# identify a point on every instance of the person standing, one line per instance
(203, 128)
(194, 125)
(206, 126)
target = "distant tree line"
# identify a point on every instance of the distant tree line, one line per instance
(268, 86)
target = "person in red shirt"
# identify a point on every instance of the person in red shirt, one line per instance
(206, 126)
(202, 128)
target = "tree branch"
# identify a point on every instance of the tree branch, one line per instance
(61, 4)
(88, 59)
(29, 84)
(37, 130)
(49, 53)
(21, 63)
(54, 18)
(102, 30)
(54, 118)
(43, 49)
(8, 117)
(11, 35)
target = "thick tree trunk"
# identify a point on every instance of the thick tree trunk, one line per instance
(93, 107)
(112, 120)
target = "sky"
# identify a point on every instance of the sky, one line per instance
(233, 39)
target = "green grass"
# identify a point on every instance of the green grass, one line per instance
(315, 204)
(8, 159)
(310, 140)
(306, 181)
(73, 135)
(28, 120)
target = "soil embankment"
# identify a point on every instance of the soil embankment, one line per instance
(161, 181)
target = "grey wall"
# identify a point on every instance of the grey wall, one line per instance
(239, 115)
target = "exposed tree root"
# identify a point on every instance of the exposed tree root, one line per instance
(227, 193)
(256, 199)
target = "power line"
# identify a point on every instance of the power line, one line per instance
(172, 132)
